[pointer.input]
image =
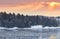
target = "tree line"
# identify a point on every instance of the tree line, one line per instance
(22, 21)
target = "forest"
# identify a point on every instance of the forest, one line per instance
(25, 21)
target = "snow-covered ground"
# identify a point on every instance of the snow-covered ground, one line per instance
(35, 32)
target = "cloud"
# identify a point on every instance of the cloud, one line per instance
(25, 1)
(31, 6)
(36, 6)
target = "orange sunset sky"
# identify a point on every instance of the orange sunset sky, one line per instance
(31, 7)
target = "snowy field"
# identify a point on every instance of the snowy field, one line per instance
(35, 32)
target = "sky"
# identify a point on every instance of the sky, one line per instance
(31, 7)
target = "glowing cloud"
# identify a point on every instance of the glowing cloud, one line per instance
(53, 5)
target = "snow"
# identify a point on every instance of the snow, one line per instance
(51, 27)
(14, 28)
(3, 28)
(32, 27)
(46, 31)
(36, 26)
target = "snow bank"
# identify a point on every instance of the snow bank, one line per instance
(14, 28)
(51, 27)
(3, 28)
(36, 27)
